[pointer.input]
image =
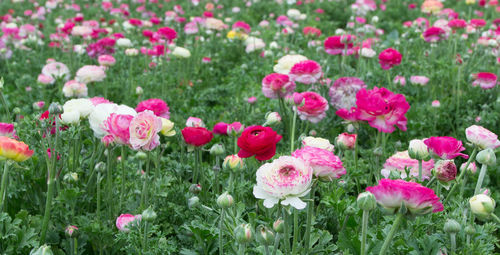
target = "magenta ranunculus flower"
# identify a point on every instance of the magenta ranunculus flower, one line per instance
(350, 115)
(314, 107)
(326, 165)
(434, 34)
(235, 128)
(117, 126)
(220, 128)
(144, 129)
(306, 72)
(484, 80)
(340, 44)
(445, 147)
(389, 58)
(277, 85)
(418, 200)
(402, 162)
(482, 137)
(382, 109)
(7, 129)
(158, 106)
(343, 92)
(124, 220)
(106, 60)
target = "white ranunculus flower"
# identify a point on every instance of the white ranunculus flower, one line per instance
(101, 112)
(89, 73)
(293, 14)
(181, 52)
(286, 63)
(253, 44)
(368, 53)
(124, 42)
(81, 105)
(318, 142)
(287, 179)
(71, 117)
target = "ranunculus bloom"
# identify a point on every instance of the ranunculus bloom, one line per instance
(286, 63)
(434, 34)
(318, 142)
(398, 79)
(124, 220)
(7, 129)
(389, 58)
(350, 115)
(196, 136)
(117, 126)
(311, 31)
(235, 128)
(144, 129)
(326, 165)
(220, 128)
(287, 179)
(445, 170)
(457, 24)
(44, 79)
(445, 147)
(314, 107)
(402, 162)
(101, 112)
(75, 89)
(417, 199)
(14, 150)
(343, 92)
(158, 106)
(346, 140)
(56, 70)
(89, 73)
(307, 72)
(419, 80)
(382, 109)
(340, 44)
(81, 105)
(482, 137)
(431, 6)
(259, 141)
(484, 80)
(277, 85)
(194, 122)
(106, 60)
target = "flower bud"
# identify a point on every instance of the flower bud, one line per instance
(195, 189)
(16, 110)
(148, 214)
(264, 235)
(272, 118)
(366, 201)
(139, 91)
(100, 167)
(350, 210)
(71, 231)
(55, 108)
(470, 230)
(42, 250)
(141, 155)
(451, 226)
(378, 151)
(217, 149)
(482, 205)
(167, 127)
(233, 162)
(71, 177)
(486, 157)
(445, 170)
(279, 225)
(243, 233)
(225, 200)
(193, 202)
(472, 168)
(298, 99)
(346, 141)
(418, 150)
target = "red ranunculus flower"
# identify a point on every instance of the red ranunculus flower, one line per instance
(197, 136)
(259, 141)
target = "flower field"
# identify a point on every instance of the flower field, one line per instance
(249, 127)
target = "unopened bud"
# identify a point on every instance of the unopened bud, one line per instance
(243, 233)
(139, 91)
(217, 149)
(272, 118)
(233, 162)
(418, 150)
(71, 231)
(366, 201)
(193, 202)
(486, 157)
(141, 155)
(451, 226)
(445, 170)
(195, 189)
(42, 250)
(482, 205)
(279, 226)
(470, 230)
(55, 108)
(264, 235)
(225, 200)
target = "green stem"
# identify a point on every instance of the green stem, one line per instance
(495, 218)
(221, 245)
(454, 187)
(235, 144)
(144, 193)
(453, 243)
(420, 170)
(122, 192)
(196, 166)
(145, 238)
(295, 230)
(266, 248)
(276, 243)
(292, 136)
(480, 179)
(75, 241)
(388, 239)
(5, 177)
(109, 183)
(364, 227)
(241, 249)
(462, 187)
(433, 179)
(310, 212)
(4, 102)
(287, 232)
(98, 208)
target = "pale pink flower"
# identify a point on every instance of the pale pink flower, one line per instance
(419, 80)
(277, 85)
(472, 168)
(343, 92)
(306, 72)
(326, 165)
(287, 179)
(314, 107)
(73, 88)
(346, 140)
(56, 70)
(117, 126)
(44, 79)
(194, 122)
(402, 163)
(399, 80)
(123, 221)
(482, 137)
(106, 60)
(89, 73)
(144, 129)
(435, 103)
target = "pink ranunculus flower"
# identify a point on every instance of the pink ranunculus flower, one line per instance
(220, 128)
(144, 129)
(99, 100)
(346, 141)
(158, 106)
(401, 162)
(314, 107)
(117, 126)
(287, 179)
(419, 80)
(235, 128)
(123, 221)
(73, 88)
(340, 44)
(484, 80)
(445, 147)
(434, 34)
(350, 115)
(482, 137)
(401, 80)
(418, 200)
(277, 85)
(89, 73)
(306, 72)
(106, 60)
(326, 165)
(7, 129)
(382, 109)
(343, 92)
(44, 79)
(56, 70)
(389, 58)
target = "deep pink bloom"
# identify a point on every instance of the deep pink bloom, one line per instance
(402, 162)
(117, 127)
(7, 129)
(434, 34)
(382, 109)
(457, 24)
(259, 141)
(311, 31)
(220, 128)
(240, 25)
(445, 147)
(307, 72)
(340, 44)
(314, 107)
(196, 136)
(419, 200)
(277, 85)
(104, 46)
(484, 80)
(124, 220)
(343, 92)
(158, 106)
(167, 33)
(324, 163)
(477, 23)
(348, 115)
(389, 58)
